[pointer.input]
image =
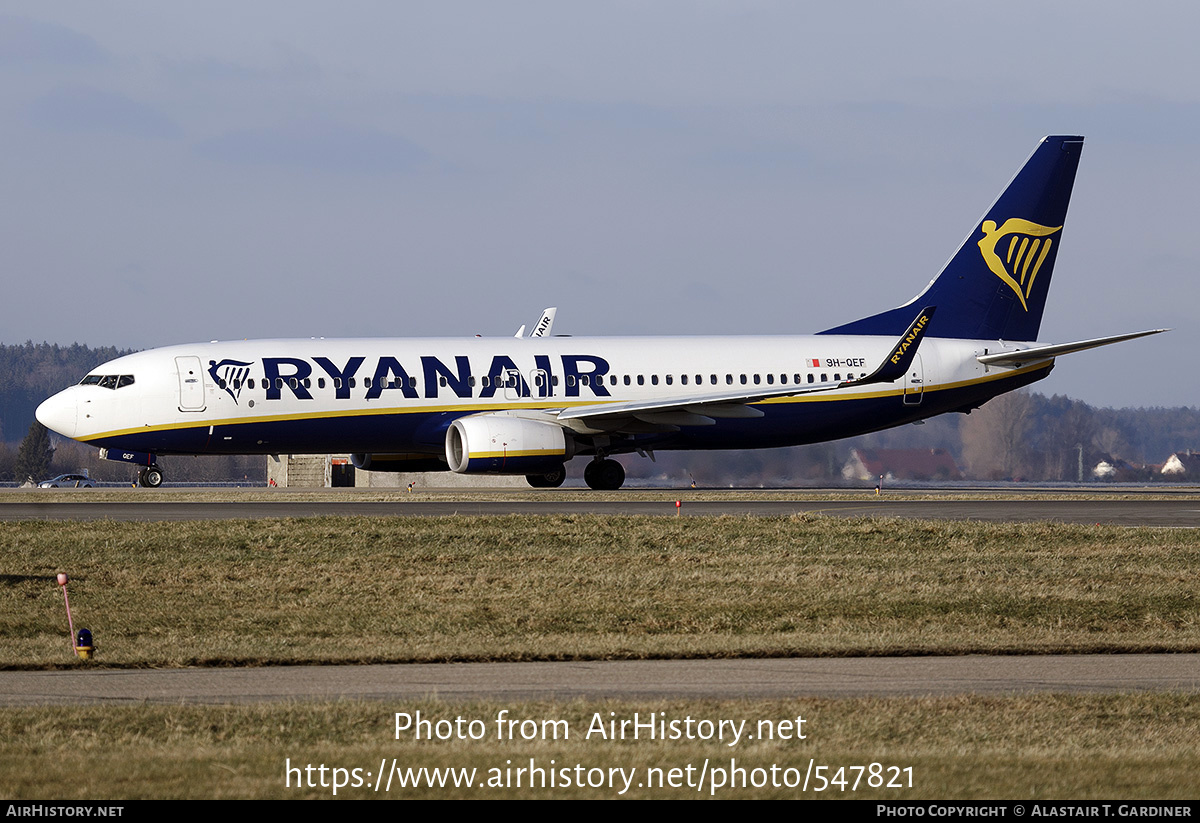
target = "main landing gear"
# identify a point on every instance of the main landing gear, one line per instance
(603, 474)
(549, 480)
(151, 477)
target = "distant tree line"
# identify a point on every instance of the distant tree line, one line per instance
(1017, 436)
(31, 372)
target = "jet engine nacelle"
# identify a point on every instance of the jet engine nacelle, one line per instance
(406, 462)
(500, 444)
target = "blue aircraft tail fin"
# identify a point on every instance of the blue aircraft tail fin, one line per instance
(995, 285)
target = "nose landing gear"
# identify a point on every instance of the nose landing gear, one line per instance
(151, 477)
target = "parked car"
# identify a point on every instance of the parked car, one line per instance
(68, 481)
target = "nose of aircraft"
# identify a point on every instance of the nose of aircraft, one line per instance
(60, 413)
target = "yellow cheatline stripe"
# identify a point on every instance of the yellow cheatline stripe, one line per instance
(823, 397)
(523, 453)
(281, 418)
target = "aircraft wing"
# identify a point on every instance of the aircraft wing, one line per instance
(717, 404)
(1020, 357)
(700, 410)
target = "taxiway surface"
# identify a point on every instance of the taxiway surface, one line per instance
(1125, 511)
(622, 679)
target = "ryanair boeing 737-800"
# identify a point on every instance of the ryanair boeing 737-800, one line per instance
(527, 405)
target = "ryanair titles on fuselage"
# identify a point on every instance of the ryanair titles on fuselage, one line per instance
(357, 377)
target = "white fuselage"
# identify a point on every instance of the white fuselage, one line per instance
(399, 395)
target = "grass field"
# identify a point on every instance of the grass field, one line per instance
(556, 587)
(1037, 747)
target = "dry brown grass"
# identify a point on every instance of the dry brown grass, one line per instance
(1036, 747)
(553, 587)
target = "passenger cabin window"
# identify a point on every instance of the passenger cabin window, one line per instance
(627, 381)
(811, 379)
(654, 379)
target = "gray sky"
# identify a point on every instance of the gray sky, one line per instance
(178, 172)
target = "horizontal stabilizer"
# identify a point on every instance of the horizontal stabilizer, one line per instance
(1022, 356)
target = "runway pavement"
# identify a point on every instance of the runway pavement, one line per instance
(638, 679)
(1120, 510)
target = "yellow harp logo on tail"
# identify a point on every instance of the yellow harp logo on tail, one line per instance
(1027, 248)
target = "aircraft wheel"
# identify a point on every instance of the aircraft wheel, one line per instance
(549, 480)
(604, 475)
(151, 477)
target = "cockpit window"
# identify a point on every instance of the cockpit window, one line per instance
(108, 381)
